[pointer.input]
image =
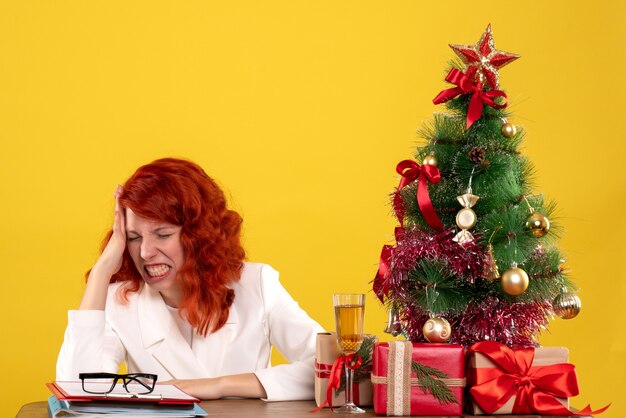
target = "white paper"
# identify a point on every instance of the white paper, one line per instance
(160, 391)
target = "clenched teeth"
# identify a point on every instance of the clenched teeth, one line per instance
(157, 270)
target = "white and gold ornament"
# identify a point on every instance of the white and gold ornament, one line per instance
(466, 217)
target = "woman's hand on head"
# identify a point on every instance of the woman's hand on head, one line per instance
(110, 260)
(109, 263)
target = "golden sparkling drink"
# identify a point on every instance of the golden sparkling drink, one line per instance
(349, 321)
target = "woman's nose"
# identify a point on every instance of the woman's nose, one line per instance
(148, 249)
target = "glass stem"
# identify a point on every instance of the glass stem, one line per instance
(349, 377)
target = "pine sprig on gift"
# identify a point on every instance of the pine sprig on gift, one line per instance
(363, 372)
(428, 379)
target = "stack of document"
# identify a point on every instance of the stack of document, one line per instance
(69, 400)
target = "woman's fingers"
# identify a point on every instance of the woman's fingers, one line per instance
(113, 253)
(109, 262)
(119, 224)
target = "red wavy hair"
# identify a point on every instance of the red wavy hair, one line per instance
(179, 192)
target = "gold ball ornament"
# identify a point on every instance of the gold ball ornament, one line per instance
(508, 130)
(538, 224)
(567, 305)
(437, 330)
(514, 281)
(430, 159)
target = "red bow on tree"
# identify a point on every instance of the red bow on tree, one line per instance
(381, 281)
(535, 387)
(465, 85)
(410, 171)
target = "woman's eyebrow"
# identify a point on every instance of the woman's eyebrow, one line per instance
(163, 227)
(157, 229)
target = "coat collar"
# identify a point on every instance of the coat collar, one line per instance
(161, 337)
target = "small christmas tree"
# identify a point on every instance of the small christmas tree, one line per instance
(474, 257)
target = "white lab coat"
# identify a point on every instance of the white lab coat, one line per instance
(144, 334)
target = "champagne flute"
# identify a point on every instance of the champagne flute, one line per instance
(349, 310)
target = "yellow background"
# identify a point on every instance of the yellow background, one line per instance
(301, 110)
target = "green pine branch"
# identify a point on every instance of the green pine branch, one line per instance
(429, 380)
(367, 347)
(436, 289)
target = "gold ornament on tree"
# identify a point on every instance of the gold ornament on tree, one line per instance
(430, 159)
(394, 326)
(508, 130)
(567, 305)
(437, 330)
(491, 272)
(491, 268)
(536, 223)
(514, 281)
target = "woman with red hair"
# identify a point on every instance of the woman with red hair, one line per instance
(171, 295)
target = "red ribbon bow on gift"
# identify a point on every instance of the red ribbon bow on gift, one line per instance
(353, 362)
(465, 85)
(535, 388)
(410, 170)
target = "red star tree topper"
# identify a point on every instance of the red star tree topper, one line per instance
(485, 58)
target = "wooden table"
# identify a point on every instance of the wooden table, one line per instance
(251, 408)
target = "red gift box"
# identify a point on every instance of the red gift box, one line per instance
(397, 391)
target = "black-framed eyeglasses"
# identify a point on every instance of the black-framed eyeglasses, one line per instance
(103, 383)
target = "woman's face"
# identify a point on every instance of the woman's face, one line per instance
(157, 252)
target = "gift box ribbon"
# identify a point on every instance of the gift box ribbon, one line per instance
(322, 370)
(353, 362)
(399, 380)
(535, 388)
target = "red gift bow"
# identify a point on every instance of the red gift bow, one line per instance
(465, 85)
(410, 170)
(535, 388)
(353, 362)
(322, 371)
(381, 280)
